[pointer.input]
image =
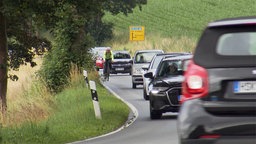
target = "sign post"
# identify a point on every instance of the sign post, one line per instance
(95, 100)
(137, 33)
(86, 78)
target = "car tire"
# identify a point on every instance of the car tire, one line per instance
(133, 85)
(146, 97)
(154, 114)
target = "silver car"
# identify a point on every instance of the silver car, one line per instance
(141, 59)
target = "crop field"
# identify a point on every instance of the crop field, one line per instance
(168, 22)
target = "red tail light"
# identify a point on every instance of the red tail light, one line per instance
(213, 136)
(195, 84)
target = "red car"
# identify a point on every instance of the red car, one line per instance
(98, 54)
(99, 63)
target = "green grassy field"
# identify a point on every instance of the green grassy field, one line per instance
(175, 20)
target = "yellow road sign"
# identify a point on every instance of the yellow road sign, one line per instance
(137, 33)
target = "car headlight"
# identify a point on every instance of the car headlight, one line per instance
(138, 71)
(157, 90)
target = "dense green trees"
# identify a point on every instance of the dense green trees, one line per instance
(76, 25)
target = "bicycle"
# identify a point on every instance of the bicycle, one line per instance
(107, 71)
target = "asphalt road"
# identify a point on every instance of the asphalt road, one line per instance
(143, 130)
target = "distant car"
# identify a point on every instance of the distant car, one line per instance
(165, 88)
(219, 89)
(141, 59)
(122, 62)
(152, 67)
(98, 56)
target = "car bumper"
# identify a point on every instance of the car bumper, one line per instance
(137, 79)
(161, 102)
(194, 122)
(120, 69)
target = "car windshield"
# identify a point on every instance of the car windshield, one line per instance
(235, 44)
(144, 57)
(170, 68)
(121, 55)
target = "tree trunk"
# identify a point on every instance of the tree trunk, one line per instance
(3, 62)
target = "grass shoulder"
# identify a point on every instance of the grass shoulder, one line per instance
(72, 117)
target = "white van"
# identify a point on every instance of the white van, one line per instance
(141, 58)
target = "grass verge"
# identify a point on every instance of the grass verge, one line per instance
(71, 117)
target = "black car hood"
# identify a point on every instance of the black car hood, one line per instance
(173, 79)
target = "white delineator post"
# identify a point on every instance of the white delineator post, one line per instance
(86, 78)
(95, 100)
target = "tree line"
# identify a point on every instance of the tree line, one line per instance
(75, 26)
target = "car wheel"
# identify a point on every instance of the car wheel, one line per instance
(133, 85)
(145, 94)
(154, 114)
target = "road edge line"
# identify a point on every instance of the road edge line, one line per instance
(131, 118)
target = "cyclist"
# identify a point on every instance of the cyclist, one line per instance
(108, 57)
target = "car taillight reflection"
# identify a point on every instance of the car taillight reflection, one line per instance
(212, 136)
(195, 84)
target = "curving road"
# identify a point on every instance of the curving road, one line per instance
(143, 130)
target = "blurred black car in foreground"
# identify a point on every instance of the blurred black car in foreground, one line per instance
(165, 87)
(219, 89)
(122, 62)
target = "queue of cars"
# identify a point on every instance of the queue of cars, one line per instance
(213, 90)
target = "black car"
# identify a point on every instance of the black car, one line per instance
(122, 62)
(219, 89)
(152, 67)
(165, 87)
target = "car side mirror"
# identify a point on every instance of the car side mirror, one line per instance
(149, 75)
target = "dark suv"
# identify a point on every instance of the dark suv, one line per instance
(122, 62)
(165, 87)
(219, 89)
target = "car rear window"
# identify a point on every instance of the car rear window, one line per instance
(237, 44)
(227, 46)
(145, 57)
(120, 55)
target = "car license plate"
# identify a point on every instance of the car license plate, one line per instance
(119, 69)
(245, 86)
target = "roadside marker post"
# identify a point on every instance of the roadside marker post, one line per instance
(86, 78)
(95, 100)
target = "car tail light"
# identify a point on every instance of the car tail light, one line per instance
(212, 136)
(195, 84)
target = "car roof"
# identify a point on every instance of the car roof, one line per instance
(172, 53)
(149, 50)
(189, 56)
(233, 21)
(121, 51)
